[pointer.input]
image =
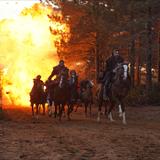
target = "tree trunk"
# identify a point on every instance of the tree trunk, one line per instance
(97, 57)
(138, 63)
(132, 61)
(132, 53)
(158, 56)
(149, 53)
(138, 70)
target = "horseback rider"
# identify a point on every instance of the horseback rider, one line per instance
(73, 79)
(57, 70)
(73, 82)
(37, 84)
(111, 64)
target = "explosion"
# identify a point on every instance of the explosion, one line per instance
(27, 48)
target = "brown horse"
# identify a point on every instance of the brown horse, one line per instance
(73, 99)
(59, 95)
(118, 91)
(87, 96)
(100, 99)
(37, 97)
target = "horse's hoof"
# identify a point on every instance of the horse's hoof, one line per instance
(98, 119)
(125, 123)
(120, 115)
(111, 120)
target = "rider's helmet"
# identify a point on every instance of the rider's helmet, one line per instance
(38, 77)
(72, 72)
(61, 63)
(115, 52)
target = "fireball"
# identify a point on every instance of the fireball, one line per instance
(27, 47)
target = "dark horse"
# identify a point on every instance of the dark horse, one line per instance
(118, 91)
(37, 97)
(100, 99)
(73, 99)
(58, 94)
(86, 95)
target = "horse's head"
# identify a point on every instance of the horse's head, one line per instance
(63, 76)
(86, 85)
(61, 80)
(73, 77)
(90, 84)
(121, 71)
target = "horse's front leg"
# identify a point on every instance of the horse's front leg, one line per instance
(55, 112)
(105, 107)
(99, 111)
(90, 109)
(61, 109)
(64, 111)
(120, 110)
(123, 113)
(32, 105)
(110, 112)
(43, 105)
(69, 111)
(37, 110)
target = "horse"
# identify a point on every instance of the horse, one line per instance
(118, 91)
(101, 100)
(87, 95)
(73, 83)
(59, 94)
(37, 97)
(50, 84)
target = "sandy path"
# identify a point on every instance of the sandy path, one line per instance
(22, 137)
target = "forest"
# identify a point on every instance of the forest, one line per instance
(48, 113)
(96, 27)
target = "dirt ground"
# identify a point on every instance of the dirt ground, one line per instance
(23, 137)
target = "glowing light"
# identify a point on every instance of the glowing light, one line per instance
(78, 63)
(27, 46)
(11, 9)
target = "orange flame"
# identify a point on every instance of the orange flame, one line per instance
(27, 48)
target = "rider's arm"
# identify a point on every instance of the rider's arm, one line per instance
(54, 72)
